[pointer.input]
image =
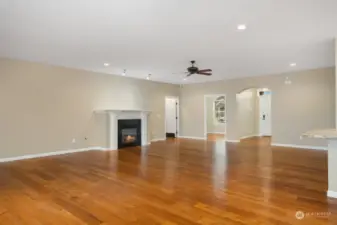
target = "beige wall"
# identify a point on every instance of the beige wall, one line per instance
(247, 109)
(336, 81)
(308, 103)
(43, 107)
(332, 158)
(212, 125)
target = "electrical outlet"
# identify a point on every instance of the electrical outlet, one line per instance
(74, 140)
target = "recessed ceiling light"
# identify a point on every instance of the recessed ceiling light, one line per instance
(293, 64)
(106, 64)
(124, 73)
(148, 77)
(242, 27)
(185, 78)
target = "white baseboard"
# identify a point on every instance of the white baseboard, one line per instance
(249, 136)
(102, 149)
(189, 137)
(332, 194)
(40, 155)
(158, 139)
(301, 146)
(233, 141)
(216, 133)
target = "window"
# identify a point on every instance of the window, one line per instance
(220, 110)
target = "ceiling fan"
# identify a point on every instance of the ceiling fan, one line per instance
(195, 70)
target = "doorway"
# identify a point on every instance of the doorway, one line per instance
(171, 116)
(264, 112)
(215, 117)
(254, 112)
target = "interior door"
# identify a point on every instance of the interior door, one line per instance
(265, 113)
(171, 117)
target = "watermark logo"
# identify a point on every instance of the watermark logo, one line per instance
(299, 215)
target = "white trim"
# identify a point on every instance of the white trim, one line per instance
(301, 146)
(233, 141)
(205, 113)
(249, 136)
(332, 194)
(103, 149)
(216, 133)
(40, 155)
(178, 113)
(189, 137)
(158, 139)
(118, 111)
(115, 115)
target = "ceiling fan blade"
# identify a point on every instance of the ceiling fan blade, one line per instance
(205, 71)
(207, 74)
(189, 74)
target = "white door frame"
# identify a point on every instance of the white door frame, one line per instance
(178, 114)
(205, 113)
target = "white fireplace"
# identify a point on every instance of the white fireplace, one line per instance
(115, 115)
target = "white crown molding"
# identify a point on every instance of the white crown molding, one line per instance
(301, 146)
(332, 194)
(40, 155)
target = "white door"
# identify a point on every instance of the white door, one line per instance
(171, 115)
(265, 113)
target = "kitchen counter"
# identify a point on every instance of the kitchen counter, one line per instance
(323, 133)
(331, 136)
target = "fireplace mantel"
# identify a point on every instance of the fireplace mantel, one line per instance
(116, 114)
(121, 110)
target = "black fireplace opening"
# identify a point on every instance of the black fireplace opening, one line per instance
(129, 133)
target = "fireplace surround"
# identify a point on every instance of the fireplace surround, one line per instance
(115, 115)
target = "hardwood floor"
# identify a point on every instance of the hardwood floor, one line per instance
(170, 182)
(215, 137)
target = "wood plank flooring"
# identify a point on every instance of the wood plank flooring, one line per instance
(170, 182)
(215, 137)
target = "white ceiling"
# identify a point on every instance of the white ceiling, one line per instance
(161, 37)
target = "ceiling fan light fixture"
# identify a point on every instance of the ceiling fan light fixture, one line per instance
(106, 64)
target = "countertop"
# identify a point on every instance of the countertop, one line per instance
(322, 133)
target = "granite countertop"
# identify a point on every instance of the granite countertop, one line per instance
(323, 133)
